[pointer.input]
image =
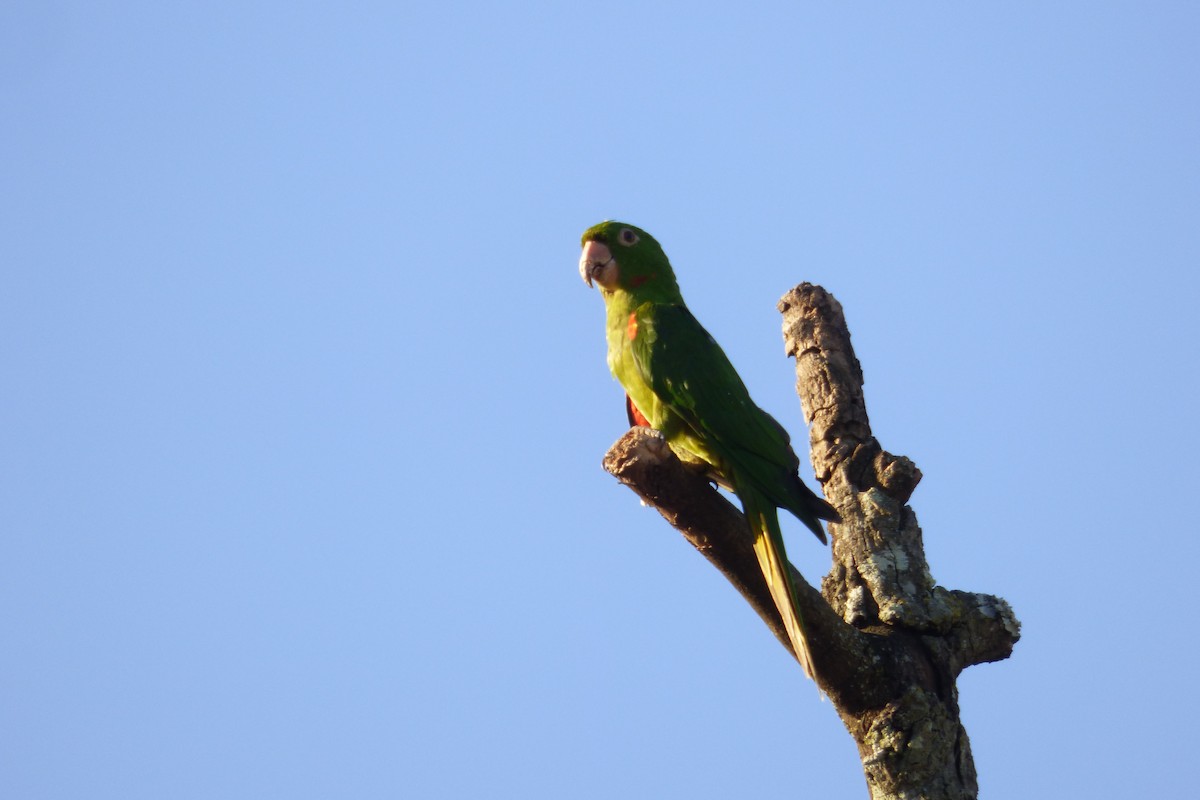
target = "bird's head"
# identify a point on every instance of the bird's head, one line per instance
(618, 256)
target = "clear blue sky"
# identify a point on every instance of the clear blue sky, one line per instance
(304, 401)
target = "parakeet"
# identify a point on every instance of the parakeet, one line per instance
(680, 382)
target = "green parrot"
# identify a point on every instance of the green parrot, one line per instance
(680, 382)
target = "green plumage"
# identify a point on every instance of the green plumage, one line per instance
(682, 382)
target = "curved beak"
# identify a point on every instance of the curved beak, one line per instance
(596, 263)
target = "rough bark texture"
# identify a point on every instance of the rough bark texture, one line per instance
(887, 642)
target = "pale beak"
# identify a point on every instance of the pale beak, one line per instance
(596, 263)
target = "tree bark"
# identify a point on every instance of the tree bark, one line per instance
(887, 642)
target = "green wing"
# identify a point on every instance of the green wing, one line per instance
(693, 378)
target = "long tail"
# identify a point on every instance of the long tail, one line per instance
(772, 560)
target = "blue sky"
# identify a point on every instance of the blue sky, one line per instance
(305, 401)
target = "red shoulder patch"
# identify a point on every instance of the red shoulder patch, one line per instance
(631, 328)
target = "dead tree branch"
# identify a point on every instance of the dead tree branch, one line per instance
(887, 642)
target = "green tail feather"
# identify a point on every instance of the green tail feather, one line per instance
(772, 560)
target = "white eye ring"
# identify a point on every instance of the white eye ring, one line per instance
(628, 237)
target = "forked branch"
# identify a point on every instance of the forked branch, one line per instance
(887, 641)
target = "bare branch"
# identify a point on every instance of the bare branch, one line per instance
(887, 642)
(642, 461)
(880, 548)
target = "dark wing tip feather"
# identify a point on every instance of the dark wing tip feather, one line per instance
(826, 511)
(814, 525)
(810, 508)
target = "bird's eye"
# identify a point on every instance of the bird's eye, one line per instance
(628, 237)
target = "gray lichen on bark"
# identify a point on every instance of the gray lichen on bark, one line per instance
(888, 642)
